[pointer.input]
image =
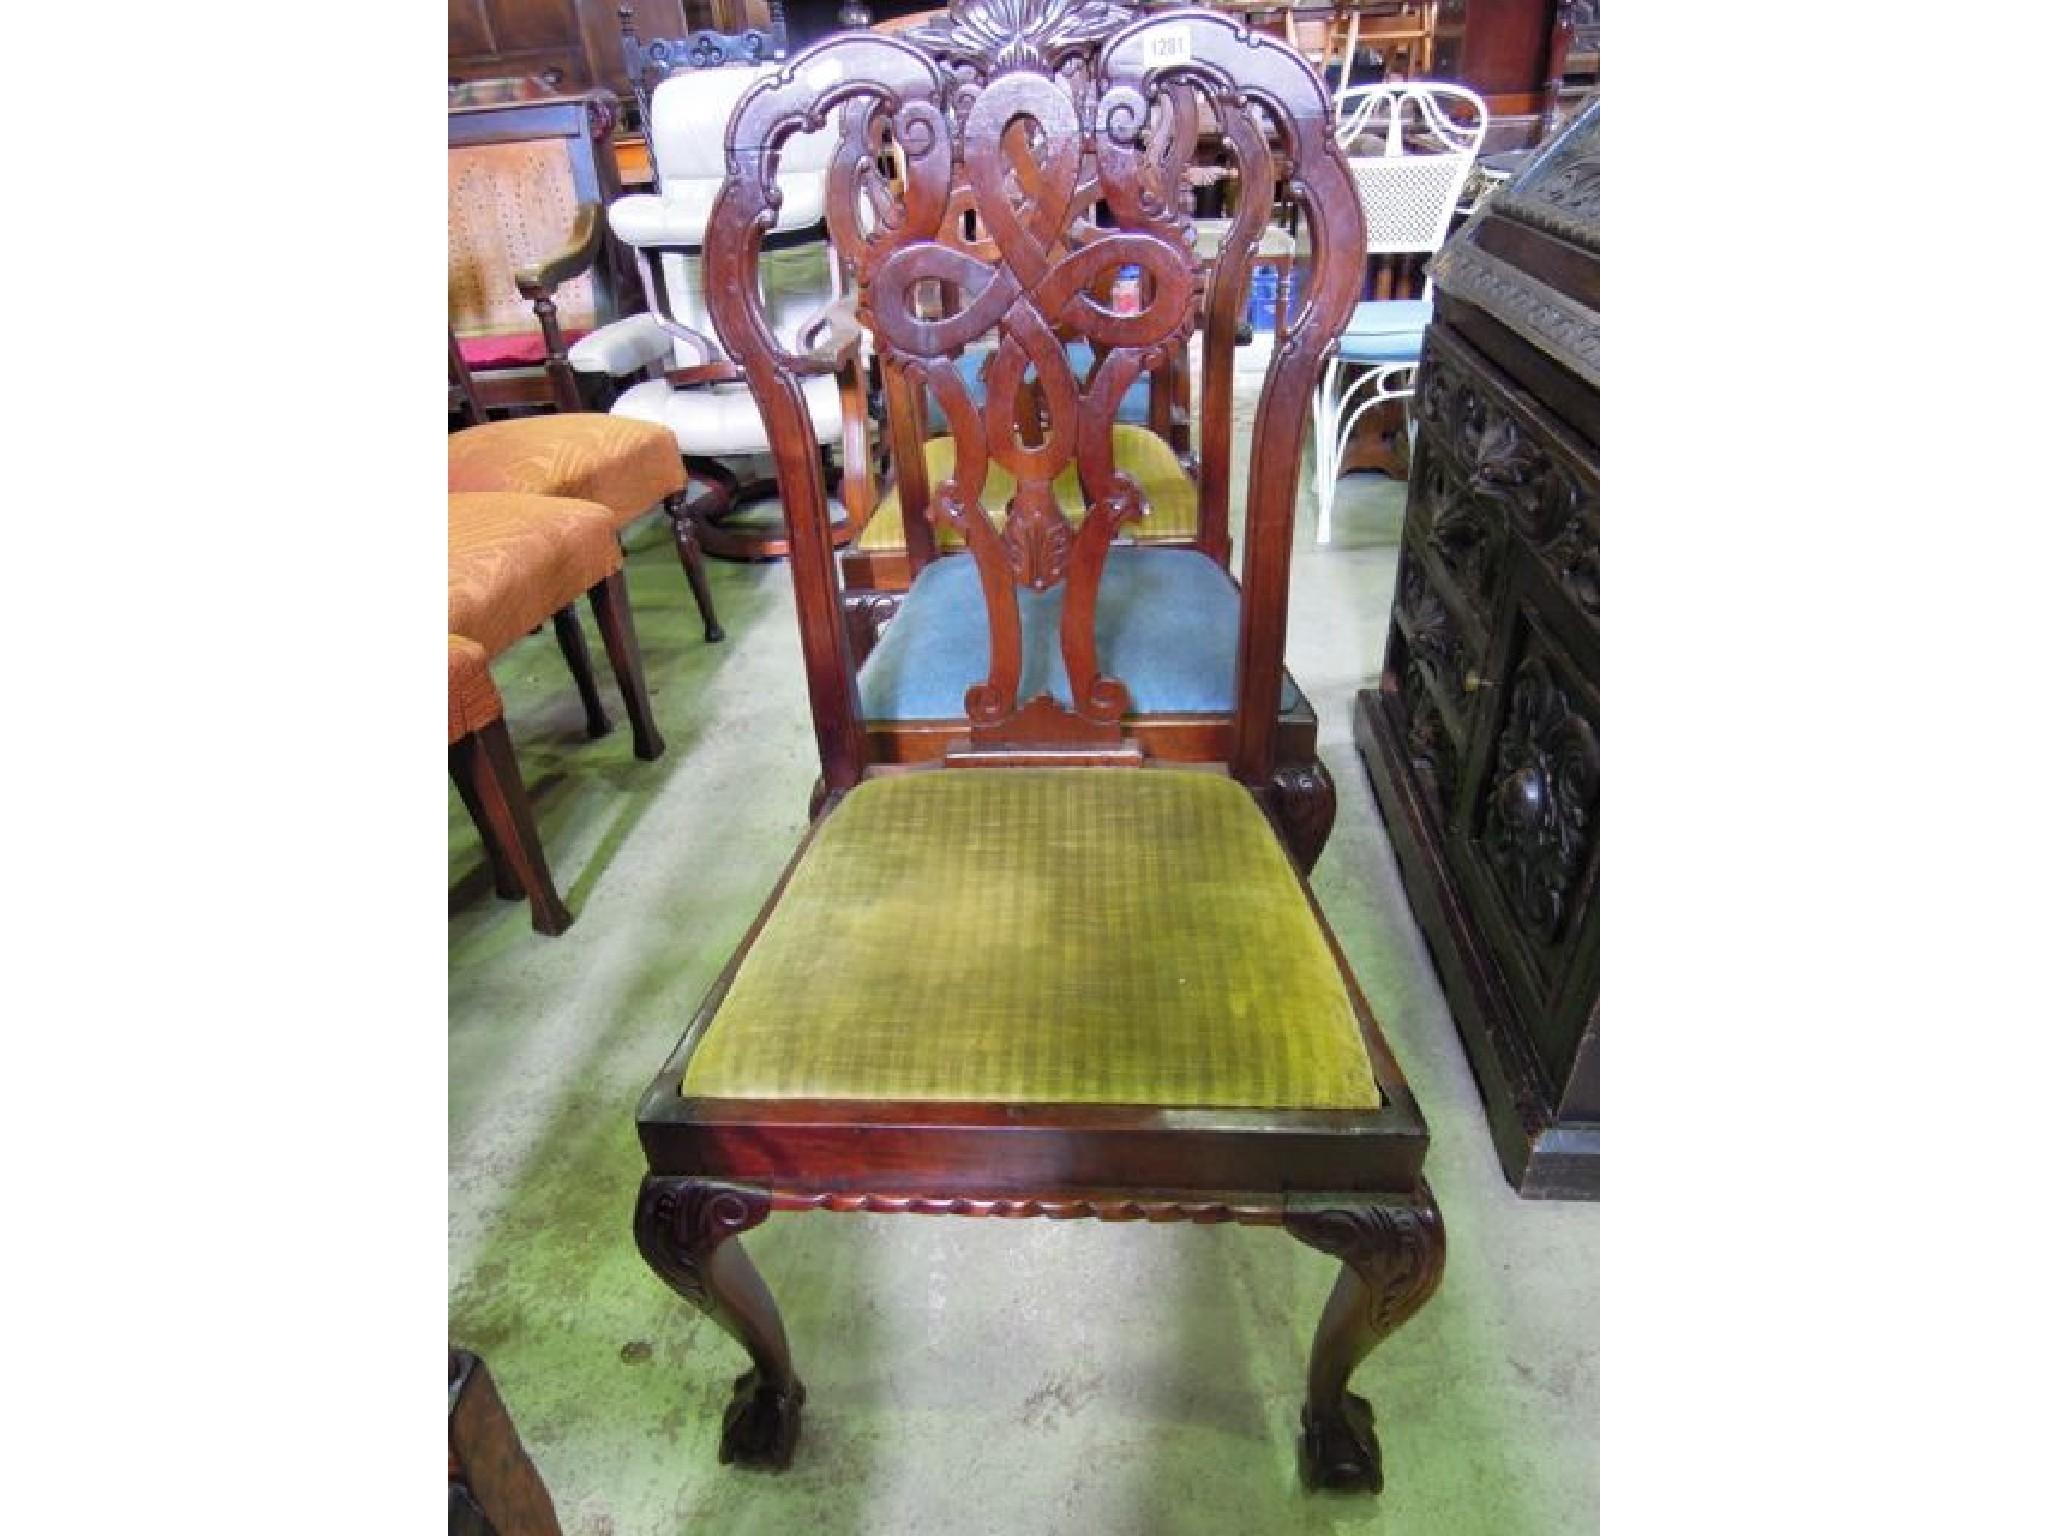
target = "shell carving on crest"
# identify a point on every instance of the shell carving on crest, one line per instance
(1020, 34)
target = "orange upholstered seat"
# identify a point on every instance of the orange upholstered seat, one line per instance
(514, 560)
(626, 465)
(473, 700)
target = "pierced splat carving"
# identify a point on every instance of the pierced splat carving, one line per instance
(1035, 153)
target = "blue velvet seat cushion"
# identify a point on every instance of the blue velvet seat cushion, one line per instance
(1385, 331)
(1134, 409)
(1165, 623)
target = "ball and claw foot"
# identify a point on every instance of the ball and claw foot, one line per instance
(1341, 1452)
(761, 1423)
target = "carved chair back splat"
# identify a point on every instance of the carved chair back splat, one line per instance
(1040, 105)
(1038, 129)
(649, 61)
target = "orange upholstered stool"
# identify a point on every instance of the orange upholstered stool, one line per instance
(481, 763)
(514, 559)
(629, 467)
(473, 701)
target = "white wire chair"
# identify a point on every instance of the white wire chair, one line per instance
(1411, 146)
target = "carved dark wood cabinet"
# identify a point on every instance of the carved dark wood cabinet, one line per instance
(1482, 739)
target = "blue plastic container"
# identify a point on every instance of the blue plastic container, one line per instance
(1265, 305)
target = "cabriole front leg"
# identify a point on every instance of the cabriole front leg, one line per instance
(682, 522)
(685, 1229)
(1393, 1258)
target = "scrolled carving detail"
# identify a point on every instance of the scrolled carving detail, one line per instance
(1397, 1252)
(710, 50)
(1031, 1207)
(1566, 329)
(989, 36)
(1433, 634)
(1479, 472)
(1537, 821)
(1455, 529)
(1394, 1255)
(868, 613)
(681, 1221)
(1560, 191)
(1067, 135)
(1431, 749)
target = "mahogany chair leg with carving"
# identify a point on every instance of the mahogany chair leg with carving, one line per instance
(1305, 801)
(682, 522)
(487, 775)
(576, 651)
(687, 1231)
(1393, 1259)
(615, 624)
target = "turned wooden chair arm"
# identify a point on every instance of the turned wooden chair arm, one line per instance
(720, 371)
(831, 338)
(586, 238)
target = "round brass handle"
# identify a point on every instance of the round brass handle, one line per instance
(1474, 682)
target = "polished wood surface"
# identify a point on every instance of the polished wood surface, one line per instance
(1346, 1183)
(574, 45)
(1211, 293)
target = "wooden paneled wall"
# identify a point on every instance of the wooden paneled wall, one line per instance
(488, 39)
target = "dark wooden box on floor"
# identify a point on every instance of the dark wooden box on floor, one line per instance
(1482, 740)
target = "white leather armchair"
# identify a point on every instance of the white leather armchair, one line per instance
(686, 383)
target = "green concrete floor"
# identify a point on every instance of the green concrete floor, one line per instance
(964, 1376)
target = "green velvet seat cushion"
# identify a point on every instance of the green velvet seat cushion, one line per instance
(1041, 936)
(1143, 455)
(1166, 623)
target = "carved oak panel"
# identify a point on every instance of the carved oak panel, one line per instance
(1490, 466)
(1437, 651)
(1527, 843)
(1432, 752)
(1536, 824)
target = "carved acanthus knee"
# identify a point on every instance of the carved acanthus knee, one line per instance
(684, 1227)
(681, 1222)
(1393, 1259)
(1306, 801)
(867, 613)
